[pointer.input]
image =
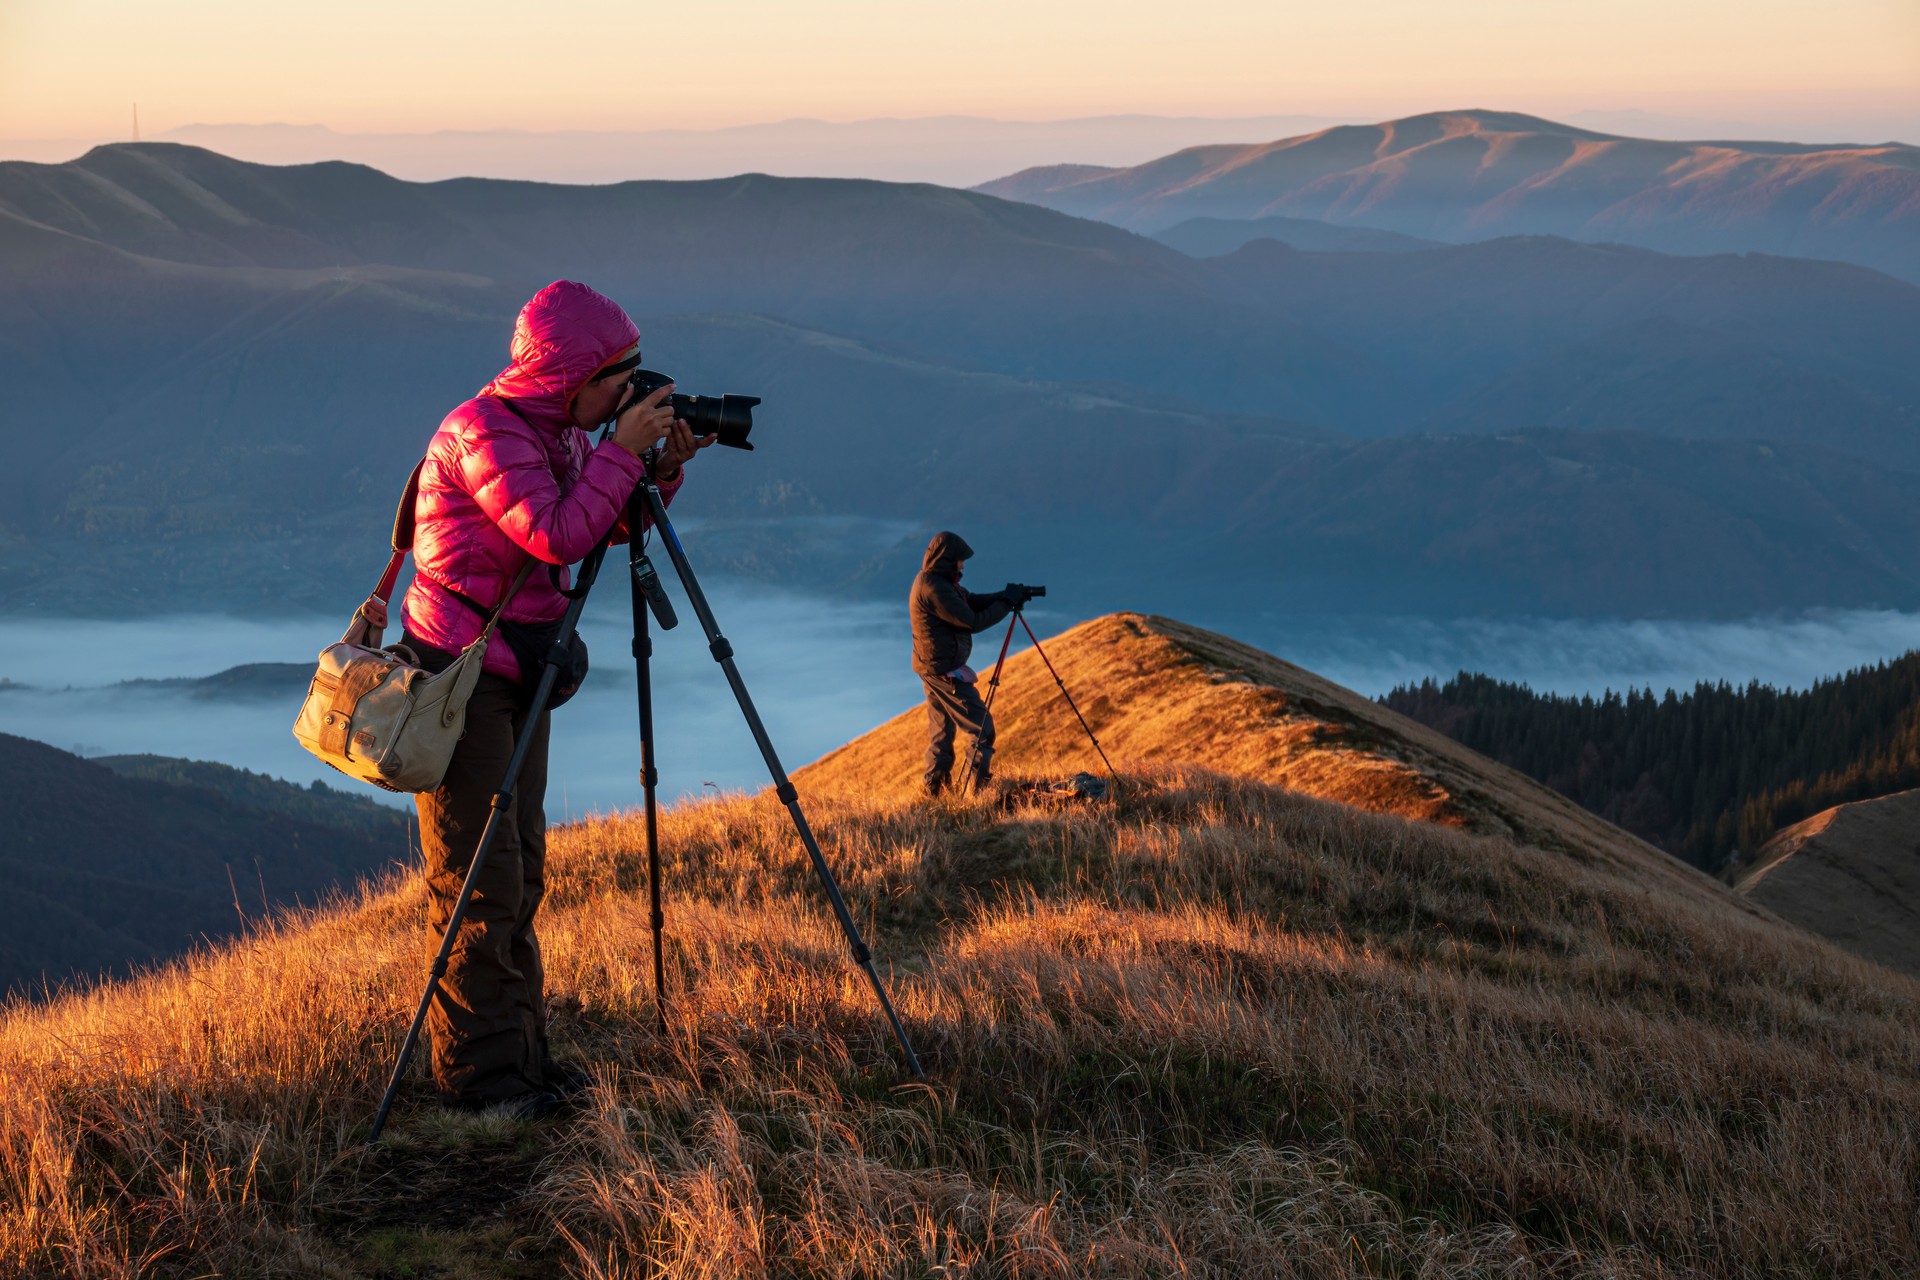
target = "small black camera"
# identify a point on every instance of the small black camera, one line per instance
(729, 417)
(1019, 593)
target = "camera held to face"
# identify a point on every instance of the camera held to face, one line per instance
(727, 416)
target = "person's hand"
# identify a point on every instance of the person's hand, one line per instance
(645, 423)
(681, 445)
(375, 612)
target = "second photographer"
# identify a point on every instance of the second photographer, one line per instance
(945, 617)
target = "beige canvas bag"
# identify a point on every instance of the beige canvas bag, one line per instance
(374, 713)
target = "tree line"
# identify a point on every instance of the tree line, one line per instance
(1707, 775)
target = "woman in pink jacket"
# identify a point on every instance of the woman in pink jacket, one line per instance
(512, 476)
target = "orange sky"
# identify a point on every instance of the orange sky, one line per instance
(71, 68)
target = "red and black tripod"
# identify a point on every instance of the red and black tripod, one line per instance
(1019, 619)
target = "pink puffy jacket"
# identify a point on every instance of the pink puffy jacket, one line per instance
(498, 486)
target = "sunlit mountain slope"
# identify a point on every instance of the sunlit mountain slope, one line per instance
(1470, 175)
(1159, 693)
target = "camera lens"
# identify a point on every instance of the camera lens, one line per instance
(728, 416)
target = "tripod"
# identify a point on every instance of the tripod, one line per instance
(717, 644)
(645, 501)
(993, 688)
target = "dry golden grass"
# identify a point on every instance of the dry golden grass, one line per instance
(1215, 1029)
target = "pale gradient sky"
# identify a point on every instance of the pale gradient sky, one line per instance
(71, 68)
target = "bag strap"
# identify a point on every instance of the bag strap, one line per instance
(402, 532)
(526, 570)
(360, 631)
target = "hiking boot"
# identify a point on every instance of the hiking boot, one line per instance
(534, 1104)
(567, 1079)
(931, 787)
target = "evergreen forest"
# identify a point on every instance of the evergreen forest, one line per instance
(1708, 775)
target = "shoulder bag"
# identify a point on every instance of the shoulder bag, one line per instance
(375, 713)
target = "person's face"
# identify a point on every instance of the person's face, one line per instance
(594, 403)
(959, 568)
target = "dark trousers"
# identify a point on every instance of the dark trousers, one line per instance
(488, 1023)
(954, 705)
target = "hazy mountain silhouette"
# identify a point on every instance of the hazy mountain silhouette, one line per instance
(1212, 237)
(1470, 175)
(240, 362)
(953, 150)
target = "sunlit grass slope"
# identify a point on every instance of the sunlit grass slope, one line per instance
(1158, 692)
(1217, 1029)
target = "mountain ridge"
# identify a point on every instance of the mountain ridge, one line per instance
(285, 337)
(1464, 175)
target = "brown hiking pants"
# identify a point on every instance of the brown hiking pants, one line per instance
(954, 705)
(488, 1022)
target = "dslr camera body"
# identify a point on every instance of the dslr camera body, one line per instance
(1018, 594)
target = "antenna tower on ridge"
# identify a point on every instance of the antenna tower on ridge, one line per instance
(136, 122)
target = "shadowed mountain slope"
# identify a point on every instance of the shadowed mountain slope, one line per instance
(112, 867)
(1714, 346)
(863, 258)
(283, 340)
(1470, 175)
(1209, 1029)
(1851, 875)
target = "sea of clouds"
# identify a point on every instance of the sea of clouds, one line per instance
(822, 672)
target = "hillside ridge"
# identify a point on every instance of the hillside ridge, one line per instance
(1159, 693)
(1850, 874)
(1468, 175)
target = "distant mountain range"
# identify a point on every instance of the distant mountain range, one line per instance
(1474, 175)
(951, 150)
(220, 372)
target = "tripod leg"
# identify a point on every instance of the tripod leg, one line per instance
(782, 786)
(993, 688)
(1111, 772)
(649, 773)
(502, 802)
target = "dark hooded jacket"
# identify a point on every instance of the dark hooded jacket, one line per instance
(945, 615)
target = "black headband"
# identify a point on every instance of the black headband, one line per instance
(620, 366)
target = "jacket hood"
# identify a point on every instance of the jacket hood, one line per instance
(565, 334)
(945, 552)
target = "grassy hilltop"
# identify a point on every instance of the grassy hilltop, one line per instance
(1415, 1016)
